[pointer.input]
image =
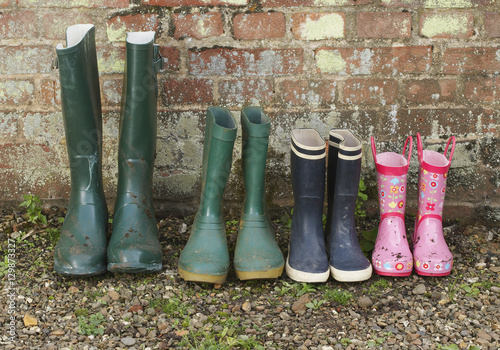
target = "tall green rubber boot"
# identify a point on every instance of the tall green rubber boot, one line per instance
(205, 257)
(257, 255)
(134, 246)
(81, 250)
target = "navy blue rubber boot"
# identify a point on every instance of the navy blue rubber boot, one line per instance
(307, 259)
(347, 262)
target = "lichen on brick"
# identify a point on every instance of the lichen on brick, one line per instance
(331, 2)
(442, 24)
(330, 61)
(325, 27)
(447, 3)
(15, 91)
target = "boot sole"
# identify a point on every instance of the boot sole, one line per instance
(197, 277)
(80, 272)
(259, 275)
(134, 268)
(421, 273)
(351, 276)
(404, 274)
(307, 277)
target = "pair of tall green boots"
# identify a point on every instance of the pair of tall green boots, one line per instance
(205, 257)
(134, 246)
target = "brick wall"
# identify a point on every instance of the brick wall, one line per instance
(388, 68)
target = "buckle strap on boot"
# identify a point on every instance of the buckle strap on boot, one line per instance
(157, 65)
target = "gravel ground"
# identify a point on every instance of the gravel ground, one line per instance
(161, 311)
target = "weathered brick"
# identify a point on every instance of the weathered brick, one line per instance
(4, 3)
(264, 25)
(318, 26)
(245, 91)
(482, 89)
(370, 91)
(112, 91)
(45, 129)
(8, 124)
(175, 3)
(73, 3)
(492, 24)
(46, 184)
(471, 60)
(111, 59)
(246, 61)
(431, 91)
(27, 156)
(365, 61)
(18, 25)
(26, 59)
(313, 93)
(119, 26)
(51, 92)
(55, 22)
(446, 24)
(436, 121)
(384, 24)
(187, 91)
(16, 91)
(198, 25)
(436, 3)
(297, 3)
(171, 58)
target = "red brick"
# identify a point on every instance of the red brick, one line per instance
(370, 91)
(431, 91)
(27, 156)
(45, 183)
(55, 22)
(449, 121)
(176, 3)
(492, 24)
(449, 24)
(73, 3)
(51, 92)
(365, 61)
(171, 58)
(384, 25)
(318, 26)
(18, 25)
(245, 91)
(26, 59)
(471, 60)
(198, 25)
(313, 93)
(4, 3)
(482, 89)
(118, 26)
(187, 91)
(16, 91)
(246, 61)
(112, 92)
(300, 3)
(435, 3)
(8, 124)
(266, 25)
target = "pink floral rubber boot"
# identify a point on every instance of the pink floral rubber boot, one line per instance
(430, 252)
(391, 255)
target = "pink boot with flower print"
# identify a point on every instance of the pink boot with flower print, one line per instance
(430, 251)
(391, 255)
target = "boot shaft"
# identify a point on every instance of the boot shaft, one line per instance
(138, 117)
(256, 127)
(220, 134)
(392, 171)
(432, 176)
(307, 161)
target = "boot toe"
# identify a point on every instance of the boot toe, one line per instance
(350, 267)
(79, 261)
(136, 259)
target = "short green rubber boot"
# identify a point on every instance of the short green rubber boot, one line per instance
(257, 255)
(205, 257)
(134, 246)
(81, 250)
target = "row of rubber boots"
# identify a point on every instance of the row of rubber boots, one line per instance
(134, 246)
